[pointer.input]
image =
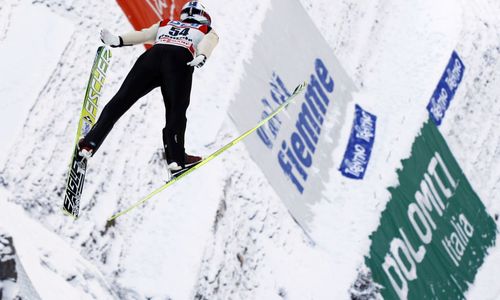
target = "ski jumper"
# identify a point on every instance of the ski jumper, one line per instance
(164, 65)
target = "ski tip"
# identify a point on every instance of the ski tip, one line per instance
(300, 87)
(67, 213)
(112, 219)
(110, 223)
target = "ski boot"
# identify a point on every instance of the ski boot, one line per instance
(85, 150)
(189, 162)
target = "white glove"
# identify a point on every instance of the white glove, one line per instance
(198, 61)
(110, 39)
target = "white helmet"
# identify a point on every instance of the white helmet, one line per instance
(194, 10)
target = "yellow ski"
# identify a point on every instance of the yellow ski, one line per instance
(78, 165)
(284, 105)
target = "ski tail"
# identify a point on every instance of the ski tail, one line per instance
(78, 165)
(282, 107)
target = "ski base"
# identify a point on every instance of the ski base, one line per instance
(78, 164)
(74, 186)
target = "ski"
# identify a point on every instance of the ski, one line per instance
(190, 170)
(78, 165)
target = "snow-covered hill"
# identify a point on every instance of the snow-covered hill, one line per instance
(48, 267)
(223, 233)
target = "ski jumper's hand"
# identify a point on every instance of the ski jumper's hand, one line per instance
(198, 61)
(110, 39)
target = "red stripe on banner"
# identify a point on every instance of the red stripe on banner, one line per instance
(144, 13)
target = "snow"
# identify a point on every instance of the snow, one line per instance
(222, 232)
(53, 267)
(9, 289)
(26, 68)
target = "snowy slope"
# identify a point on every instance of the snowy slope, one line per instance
(223, 233)
(53, 267)
(25, 66)
(177, 226)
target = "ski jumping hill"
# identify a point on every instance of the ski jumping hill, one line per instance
(225, 232)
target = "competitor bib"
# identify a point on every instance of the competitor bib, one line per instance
(187, 35)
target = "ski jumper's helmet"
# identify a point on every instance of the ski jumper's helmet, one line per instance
(194, 11)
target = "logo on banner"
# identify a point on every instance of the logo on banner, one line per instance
(279, 93)
(359, 148)
(296, 154)
(158, 6)
(435, 230)
(446, 89)
(294, 150)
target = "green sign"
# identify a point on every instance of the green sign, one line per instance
(435, 232)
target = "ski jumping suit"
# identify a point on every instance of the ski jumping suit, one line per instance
(165, 66)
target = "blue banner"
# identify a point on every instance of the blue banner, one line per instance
(446, 89)
(359, 149)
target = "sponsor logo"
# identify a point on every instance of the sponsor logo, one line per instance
(442, 96)
(401, 262)
(278, 94)
(435, 231)
(96, 83)
(360, 144)
(166, 39)
(75, 186)
(185, 25)
(158, 7)
(296, 154)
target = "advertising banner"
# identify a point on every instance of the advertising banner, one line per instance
(359, 148)
(294, 150)
(447, 86)
(435, 232)
(144, 13)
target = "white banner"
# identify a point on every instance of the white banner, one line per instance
(295, 148)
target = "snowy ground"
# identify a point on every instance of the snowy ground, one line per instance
(223, 233)
(24, 67)
(53, 267)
